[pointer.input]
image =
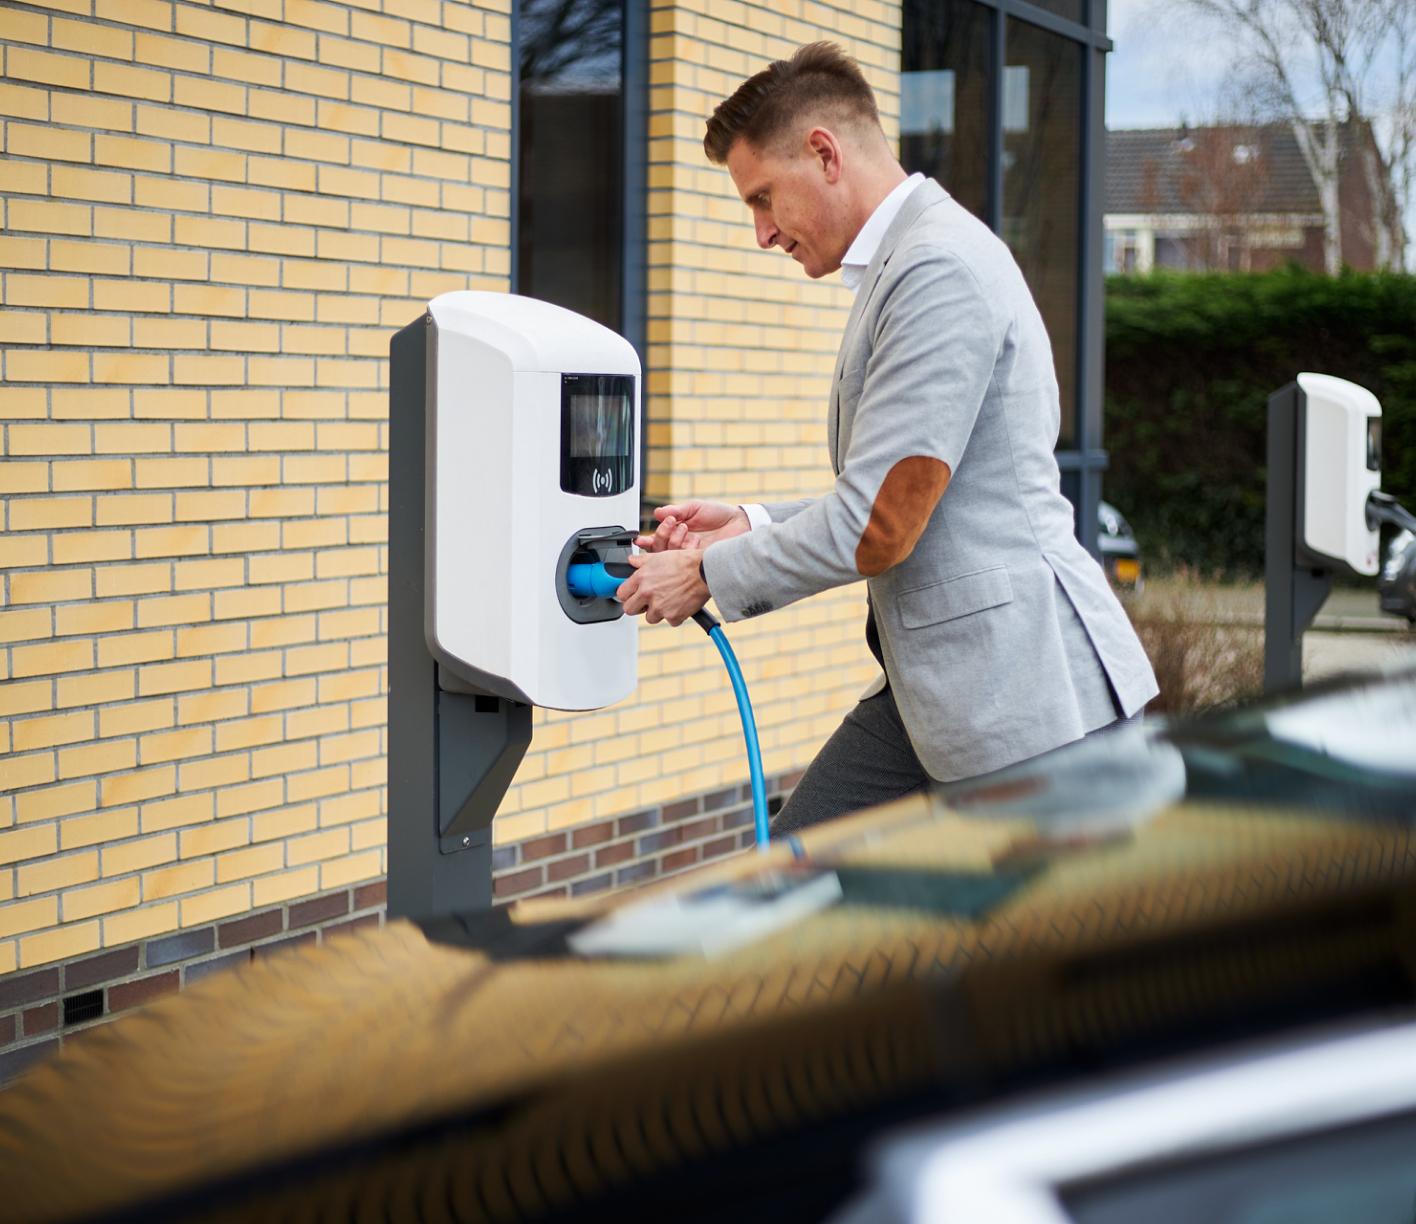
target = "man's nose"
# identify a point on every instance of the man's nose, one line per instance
(767, 232)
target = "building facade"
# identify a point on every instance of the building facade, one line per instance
(1240, 198)
(212, 219)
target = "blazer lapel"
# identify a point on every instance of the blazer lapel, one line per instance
(927, 193)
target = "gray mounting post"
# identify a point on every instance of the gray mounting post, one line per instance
(452, 750)
(1295, 586)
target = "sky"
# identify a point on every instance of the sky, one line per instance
(1162, 70)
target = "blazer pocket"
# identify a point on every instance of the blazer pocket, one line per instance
(955, 597)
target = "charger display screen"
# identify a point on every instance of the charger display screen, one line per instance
(1374, 444)
(599, 426)
(597, 433)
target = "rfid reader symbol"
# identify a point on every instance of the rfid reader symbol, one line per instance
(600, 480)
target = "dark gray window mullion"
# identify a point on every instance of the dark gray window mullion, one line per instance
(634, 90)
(995, 123)
(1085, 434)
(1033, 15)
(1091, 306)
(515, 151)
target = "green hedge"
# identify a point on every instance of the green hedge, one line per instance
(1190, 363)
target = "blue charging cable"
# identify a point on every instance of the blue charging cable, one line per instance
(709, 624)
(593, 580)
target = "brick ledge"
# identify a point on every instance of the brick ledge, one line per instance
(594, 857)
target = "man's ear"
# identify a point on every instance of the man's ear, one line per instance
(825, 149)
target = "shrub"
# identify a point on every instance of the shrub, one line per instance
(1190, 363)
(1201, 659)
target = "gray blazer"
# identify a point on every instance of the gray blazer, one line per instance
(1000, 635)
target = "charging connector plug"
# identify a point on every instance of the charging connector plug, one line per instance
(593, 580)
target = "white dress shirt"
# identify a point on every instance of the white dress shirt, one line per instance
(858, 256)
(853, 265)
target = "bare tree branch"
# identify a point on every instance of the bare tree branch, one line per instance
(559, 36)
(1361, 54)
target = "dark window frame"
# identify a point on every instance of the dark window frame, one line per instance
(1083, 463)
(634, 118)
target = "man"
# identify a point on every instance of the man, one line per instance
(998, 635)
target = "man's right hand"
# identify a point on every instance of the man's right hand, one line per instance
(694, 524)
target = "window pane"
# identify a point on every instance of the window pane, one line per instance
(1042, 152)
(571, 239)
(944, 96)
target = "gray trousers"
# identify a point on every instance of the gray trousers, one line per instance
(867, 760)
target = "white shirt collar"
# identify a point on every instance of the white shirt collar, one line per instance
(867, 242)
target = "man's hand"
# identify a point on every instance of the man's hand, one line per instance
(665, 586)
(694, 524)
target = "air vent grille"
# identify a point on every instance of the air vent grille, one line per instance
(86, 1005)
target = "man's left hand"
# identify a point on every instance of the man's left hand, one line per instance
(665, 586)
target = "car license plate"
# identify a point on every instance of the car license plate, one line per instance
(1128, 570)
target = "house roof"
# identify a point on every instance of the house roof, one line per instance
(1242, 169)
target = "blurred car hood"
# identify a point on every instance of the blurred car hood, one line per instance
(1149, 891)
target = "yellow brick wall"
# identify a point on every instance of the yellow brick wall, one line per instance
(212, 217)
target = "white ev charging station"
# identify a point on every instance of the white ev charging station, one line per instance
(1325, 507)
(532, 428)
(514, 428)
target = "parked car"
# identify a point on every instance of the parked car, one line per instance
(1396, 584)
(735, 1043)
(1308, 1132)
(1120, 556)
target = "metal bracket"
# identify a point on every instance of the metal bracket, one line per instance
(481, 740)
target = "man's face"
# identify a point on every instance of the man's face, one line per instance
(793, 202)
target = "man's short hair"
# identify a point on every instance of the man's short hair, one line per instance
(820, 78)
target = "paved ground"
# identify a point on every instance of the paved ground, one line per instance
(1349, 634)
(1238, 603)
(1328, 652)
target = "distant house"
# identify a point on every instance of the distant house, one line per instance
(1232, 198)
